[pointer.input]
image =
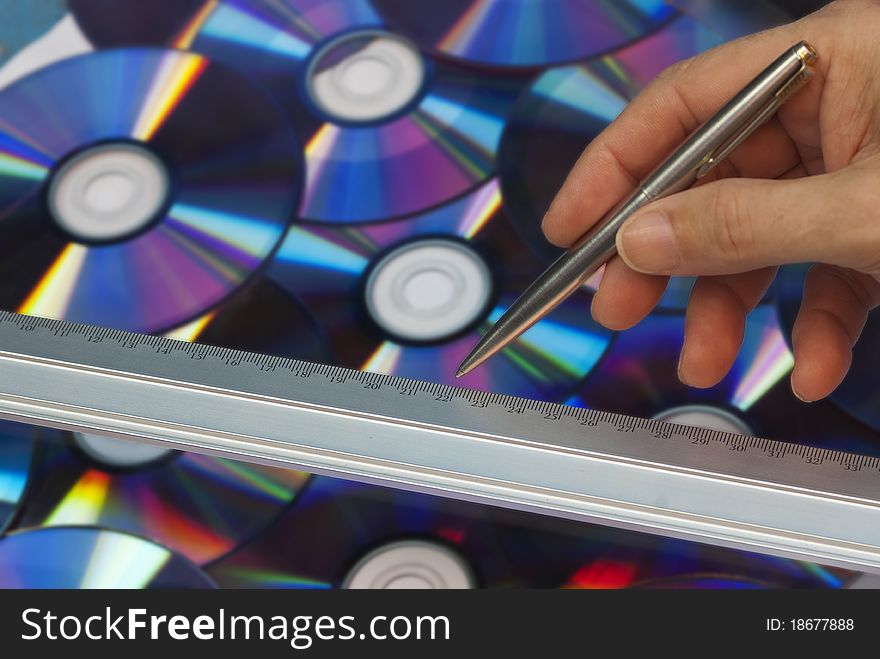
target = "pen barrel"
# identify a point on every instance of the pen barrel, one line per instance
(598, 245)
(705, 148)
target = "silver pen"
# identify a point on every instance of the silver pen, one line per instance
(703, 150)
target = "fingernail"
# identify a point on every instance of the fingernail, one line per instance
(680, 372)
(798, 395)
(647, 244)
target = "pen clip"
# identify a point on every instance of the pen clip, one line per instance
(761, 115)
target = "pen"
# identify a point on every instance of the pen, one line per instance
(698, 154)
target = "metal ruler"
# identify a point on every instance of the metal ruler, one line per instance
(675, 480)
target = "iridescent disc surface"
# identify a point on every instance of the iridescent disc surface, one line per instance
(553, 553)
(200, 506)
(638, 377)
(262, 317)
(565, 108)
(524, 33)
(335, 523)
(233, 172)
(440, 145)
(16, 457)
(90, 558)
(859, 393)
(327, 268)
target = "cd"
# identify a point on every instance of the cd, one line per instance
(261, 318)
(859, 393)
(200, 506)
(16, 458)
(29, 22)
(524, 33)
(565, 108)
(138, 188)
(638, 376)
(547, 552)
(342, 533)
(90, 558)
(362, 536)
(412, 297)
(388, 131)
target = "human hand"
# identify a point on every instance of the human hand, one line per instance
(804, 187)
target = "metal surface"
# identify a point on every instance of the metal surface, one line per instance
(695, 158)
(719, 488)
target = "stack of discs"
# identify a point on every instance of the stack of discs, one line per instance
(138, 188)
(202, 507)
(546, 552)
(387, 130)
(381, 539)
(152, 186)
(343, 534)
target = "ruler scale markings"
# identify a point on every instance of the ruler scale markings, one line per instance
(644, 474)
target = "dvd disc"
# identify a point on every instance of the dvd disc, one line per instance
(201, 506)
(361, 535)
(412, 297)
(524, 33)
(16, 458)
(549, 552)
(565, 108)
(367, 537)
(138, 188)
(145, 23)
(87, 558)
(859, 393)
(388, 132)
(638, 376)
(262, 318)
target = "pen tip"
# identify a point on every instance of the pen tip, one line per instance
(460, 372)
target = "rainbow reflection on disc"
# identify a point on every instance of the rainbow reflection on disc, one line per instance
(437, 143)
(565, 108)
(138, 188)
(859, 393)
(16, 458)
(263, 318)
(638, 376)
(333, 269)
(524, 33)
(554, 553)
(89, 558)
(200, 506)
(336, 523)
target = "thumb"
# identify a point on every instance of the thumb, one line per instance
(738, 225)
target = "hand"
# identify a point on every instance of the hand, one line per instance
(804, 187)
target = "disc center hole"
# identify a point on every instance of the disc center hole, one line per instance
(430, 291)
(109, 192)
(365, 76)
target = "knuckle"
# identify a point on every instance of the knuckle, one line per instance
(674, 71)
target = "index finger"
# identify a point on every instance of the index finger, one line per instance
(660, 118)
